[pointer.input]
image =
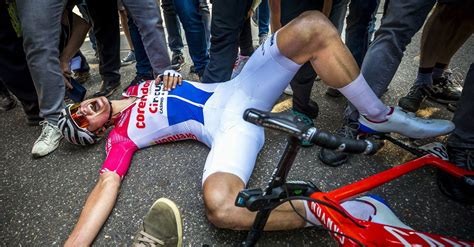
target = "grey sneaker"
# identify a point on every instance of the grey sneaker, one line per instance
(162, 226)
(129, 59)
(48, 141)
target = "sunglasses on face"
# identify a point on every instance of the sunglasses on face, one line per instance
(79, 119)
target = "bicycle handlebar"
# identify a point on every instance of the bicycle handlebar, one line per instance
(295, 126)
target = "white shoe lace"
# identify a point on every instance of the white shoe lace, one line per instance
(148, 240)
(46, 132)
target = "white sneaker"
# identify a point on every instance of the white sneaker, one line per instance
(288, 90)
(48, 141)
(407, 124)
(239, 65)
(382, 213)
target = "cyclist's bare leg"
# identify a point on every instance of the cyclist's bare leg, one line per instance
(220, 191)
(97, 208)
(312, 37)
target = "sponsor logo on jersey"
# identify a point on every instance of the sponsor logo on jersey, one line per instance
(156, 104)
(177, 137)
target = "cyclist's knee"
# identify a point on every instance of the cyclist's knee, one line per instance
(221, 212)
(315, 27)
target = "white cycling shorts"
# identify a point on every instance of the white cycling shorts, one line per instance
(235, 142)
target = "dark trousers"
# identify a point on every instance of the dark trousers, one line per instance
(463, 134)
(245, 39)
(104, 15)
(14, 72)
(228, 18)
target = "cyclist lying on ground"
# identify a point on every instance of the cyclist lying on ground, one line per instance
(212, 114)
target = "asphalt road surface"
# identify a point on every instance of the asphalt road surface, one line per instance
(41, 199)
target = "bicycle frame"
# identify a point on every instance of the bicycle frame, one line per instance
(360, 232)
(374, 234)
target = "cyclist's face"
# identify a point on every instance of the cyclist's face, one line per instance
(96, 111)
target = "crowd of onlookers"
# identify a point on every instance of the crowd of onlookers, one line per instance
(40, 57)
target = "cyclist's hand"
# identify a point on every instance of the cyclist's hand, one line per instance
(170, 79)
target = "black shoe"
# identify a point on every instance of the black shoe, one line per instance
(7, 102)
(334, 158)
(311, 109)
(452, 107)
(107, 89)
(445, 90)
(138, 80)
(412, 101)
(456, 188)
(333, 92)
(177, 61)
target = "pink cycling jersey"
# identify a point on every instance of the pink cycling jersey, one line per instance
(157, 116)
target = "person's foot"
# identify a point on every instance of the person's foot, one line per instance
(129, 59)
(308, 121)
(137, 80)
(162, 226)
(382, 213)
(311, 109)
(82, 77)
(177, 61)
(407, 124)
(333, 92)
(412, 101)
(288, 90)
(239, 65)
(262, 38)
(453, 187)
(452, 107)
(445, 90)
(335, 158)
(48, 141)
(107, 89)
(7, 102)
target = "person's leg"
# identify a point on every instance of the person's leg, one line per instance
(190, 16)
(445, 31)
(143, 65)
(130, 57)
(173, 27)
(42, 55)
(357, 30)
(124, 23)
(263, 20)
(461, 145)
(147, 17)
(104, 16)
(227, 19)
(206, 21)
(338, 13)
(400, 22)
(245, 39)
(14, 70)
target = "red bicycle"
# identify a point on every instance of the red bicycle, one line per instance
(344, 228)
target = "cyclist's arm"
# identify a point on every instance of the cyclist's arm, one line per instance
(102, 199)
(275, 14)
(327, 6)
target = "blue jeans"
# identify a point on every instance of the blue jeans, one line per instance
(147, 17)
(360, 27)
(401, 21)
(263, 12)
(338, 13)
(143, 65)
(194, 29)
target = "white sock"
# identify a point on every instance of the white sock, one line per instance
(358, 209)
(364, 99)
(310, 216)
